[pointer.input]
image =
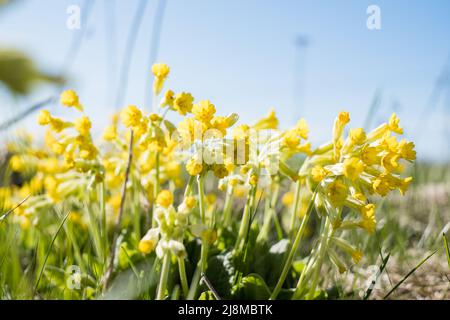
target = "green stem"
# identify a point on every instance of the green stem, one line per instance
(295, 209)
(227, 206)
(204, 256)
(104, 226)
(290, 258)
(163, 277)
(245, 219)
(201, 197)
(183, 278)
(321, 255)
(155, 187)
(269, 213)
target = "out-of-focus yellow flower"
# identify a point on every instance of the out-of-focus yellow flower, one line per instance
(318, 173)
(268, 122)
(357, 255)
(160, 71)
(110, 133)
(241, 132)
(337, 192)
(149, 241)
(165, 198)
(168, 99)
(69, 98)
(394, 124)
(83, 125)
(183, 103)
(220, 171)
(194, 167)
(288, 199)
(204, 111)
(357, 136)
(16, 163)
(44, 117)
(253, 181)
(131, 116)
(352, 168)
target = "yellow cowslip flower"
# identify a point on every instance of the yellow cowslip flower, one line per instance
(204, 111)
(69, 98)
(319, 173)
(131, 116)
(160, 71)
(168, 99)
(220, 171)
(337, 192)
(219, 123)
(172, 169)
(110, 133)
(16, 163)
(211, 199)
(75, 217)
(241, 132)
(394, 124)
(369, 155)
(352, 168)
(339, 124)
(291, 139)
(44, 117)
(381, 185)
(406, 150)
(59, 125)
(83, 125)
(288, 199)
(302, 129)
(149, 241)
(190, 202)
(268, 122)
(390, 162)
(357, 255)
(183, 103)
(357, 136)
(404, 185)
(88, 151)
(369, 221)
(164, 198)
(154, 117)
(191, 130)
(194, 167)
(253, 181)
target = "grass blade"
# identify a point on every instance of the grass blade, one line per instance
(4, 216)
(49, 250)
(374, 281)
(447, 251)
(407, 276)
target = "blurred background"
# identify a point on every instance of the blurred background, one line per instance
(307, 59)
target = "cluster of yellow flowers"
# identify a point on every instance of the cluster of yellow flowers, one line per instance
(157, 159)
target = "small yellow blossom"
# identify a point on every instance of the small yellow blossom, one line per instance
(352, 168)
(165, 198)
(337, 192)
(83, 125)
(131, 116)
(204, 111)
(69, 98)
(183, 103)
(194, 167)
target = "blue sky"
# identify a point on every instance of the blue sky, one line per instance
(242, 56)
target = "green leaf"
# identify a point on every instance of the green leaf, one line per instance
(268, 263)
(251, 287)
(221, 273)
(206, 295)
